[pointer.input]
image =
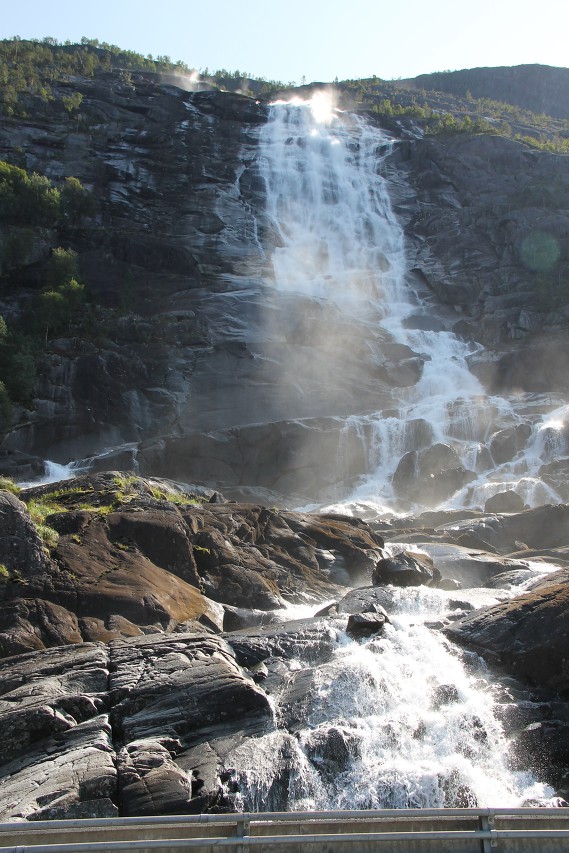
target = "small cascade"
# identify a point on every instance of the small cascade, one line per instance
(339, 246)
(405, 720)
(55, 472)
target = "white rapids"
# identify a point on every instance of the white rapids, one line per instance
(401, 721)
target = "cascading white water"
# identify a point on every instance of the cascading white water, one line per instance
(401, 721)
(54, 473)
(404, 719)
(340, 244)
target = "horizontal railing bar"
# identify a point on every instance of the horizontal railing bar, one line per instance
(292, 817)
(258, 840)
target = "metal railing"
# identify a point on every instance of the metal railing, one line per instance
(480, 830)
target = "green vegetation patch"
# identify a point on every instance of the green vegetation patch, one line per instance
(8, 485)
(178, 498)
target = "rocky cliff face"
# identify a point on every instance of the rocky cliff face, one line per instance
(172, 229)
(488, 229)
(184, 363)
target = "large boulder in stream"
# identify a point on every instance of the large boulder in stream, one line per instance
(406, 569)
(430, 475)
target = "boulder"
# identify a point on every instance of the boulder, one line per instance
(365, 624)
(406, 569)
(366, 600)
(508, 501)
(527, 634)
(22, 552)
(444, 694)
(33, 623)
(430, 475)
(507, 443)
(331, 750)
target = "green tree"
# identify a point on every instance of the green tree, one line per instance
(61, 268)
(76, 202)
(72, 102)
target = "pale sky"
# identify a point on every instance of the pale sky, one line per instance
(314, 39)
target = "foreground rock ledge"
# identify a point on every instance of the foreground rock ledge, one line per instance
(127, 556)
(528, 635)
(119, 693)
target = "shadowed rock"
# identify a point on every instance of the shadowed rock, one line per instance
(527, 634)
(406, 569)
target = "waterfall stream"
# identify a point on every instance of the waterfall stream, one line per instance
(404, 719)
(401, 721)
(341, 251)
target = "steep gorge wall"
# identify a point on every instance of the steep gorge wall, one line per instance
(539, 88)
(172, 226)
(179, 254)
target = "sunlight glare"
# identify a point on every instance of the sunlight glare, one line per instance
(322, 105)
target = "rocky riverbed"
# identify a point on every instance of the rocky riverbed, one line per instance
(149, 643)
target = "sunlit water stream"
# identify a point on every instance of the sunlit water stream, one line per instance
(340, 243)
(405, 719)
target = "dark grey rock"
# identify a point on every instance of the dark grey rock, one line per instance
(406, 569)
(173, 685)
(365, 624)
(311, 640)
(526, 634)
(365, 599)
(507, 501)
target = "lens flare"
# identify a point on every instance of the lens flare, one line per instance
(539, 251)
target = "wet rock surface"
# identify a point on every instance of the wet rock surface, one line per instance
(406, 569)
(478, 198)
(527, 634)
(138, 708)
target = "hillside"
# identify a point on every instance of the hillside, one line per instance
(539, 88)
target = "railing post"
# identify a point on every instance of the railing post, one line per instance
(242, 831)
(486, 824)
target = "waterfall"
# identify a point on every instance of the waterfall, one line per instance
(338, 249)
(403, 719)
